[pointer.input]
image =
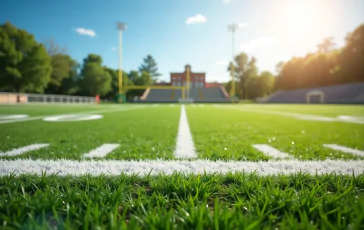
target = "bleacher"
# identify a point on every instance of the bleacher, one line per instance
(199, 95)
(338, 94)
(162, 95)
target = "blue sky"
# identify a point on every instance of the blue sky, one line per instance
(177, 32)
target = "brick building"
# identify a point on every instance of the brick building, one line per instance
(197, 80)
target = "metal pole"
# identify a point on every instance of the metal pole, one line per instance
(232, 28)
(121, 27)
(232, 90)
(120, 66)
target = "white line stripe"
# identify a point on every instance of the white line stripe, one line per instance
(297, 115)
(85, 112)
(101, 151)
(19, 151)
(270, 151)
(184, 147)
(345, 149)
(113, 167)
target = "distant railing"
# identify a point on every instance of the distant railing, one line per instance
(23, 98)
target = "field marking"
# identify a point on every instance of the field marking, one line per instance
(12, 116)
(101, 151)
(298, 115)
(84, 112)
(76, 117)
(19, 151)
(185, 147)
(270, 151)
(345, 149)
(154, 167)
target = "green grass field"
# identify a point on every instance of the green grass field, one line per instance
(70, 194)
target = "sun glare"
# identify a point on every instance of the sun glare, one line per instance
(299, 18)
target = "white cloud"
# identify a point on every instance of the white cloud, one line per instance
(113, 48)
(258, 43)
(226, 1)
(241, 25)
(87, 32)
(222, 63)
(196, 19)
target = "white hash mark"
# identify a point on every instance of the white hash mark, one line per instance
(101, 151)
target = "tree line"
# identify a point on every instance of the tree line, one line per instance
(325, 67)
(34, 67)
(43, 67)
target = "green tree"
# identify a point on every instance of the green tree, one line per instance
(351, 59)
(326, 45)
(69, 85)
(95, 79)
(244, 70)
(62, 66)
(25, 65)
(112, 94)
(149, 65)
(261, 85)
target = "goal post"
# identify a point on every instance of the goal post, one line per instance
(314, 93)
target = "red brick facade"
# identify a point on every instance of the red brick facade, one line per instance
(197, 80)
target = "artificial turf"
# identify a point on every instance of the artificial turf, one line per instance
(183, 201)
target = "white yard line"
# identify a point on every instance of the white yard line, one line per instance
(101, 151)
(345, 149)
(19, 151)
(113, 167)
(185, 147)
(272, 152)
(84, 112)
(297, 115)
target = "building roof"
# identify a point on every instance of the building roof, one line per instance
(212, 85)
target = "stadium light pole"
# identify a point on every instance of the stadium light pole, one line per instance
(121, 27)
(233, 28)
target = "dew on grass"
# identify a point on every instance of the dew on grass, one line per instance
(330, 154)
(292, 142)
(303, 131)
(225, 149)
(153, 148)
(274, 138)
(269, 140)
(342, 155)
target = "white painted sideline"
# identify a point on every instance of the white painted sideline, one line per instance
(272, 152)
(84, 112)
(185, 147)
(297, 115)
(101, 151)
(19, 151)
(345, 149)
(113, 167)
